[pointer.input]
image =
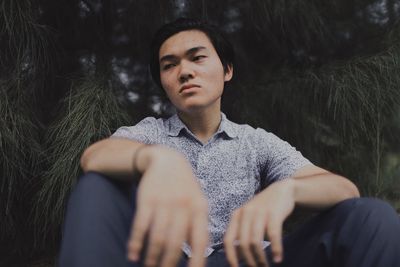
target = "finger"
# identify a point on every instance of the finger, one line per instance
(140, 227)
(177, 235)
(245, 230)
(274, 231)
(157, 237)
(256, 240)
(199, 236)
(231, 235)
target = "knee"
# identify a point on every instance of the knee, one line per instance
(96, 195)
(96, 189)
(367, 205)
(380, 209)
(369, 210)
(91, 184)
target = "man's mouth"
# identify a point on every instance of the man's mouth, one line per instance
(187, 86)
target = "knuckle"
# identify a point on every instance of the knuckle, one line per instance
(168, 261)
(152, 202)
(245, 239)
(228, 240)
(254, 243)
(181, 201)
(198, 205)
(250, 261)
(273, 235)
(138, 228)
(174, 244)
(150, 262)
(276, 250)
(133, 245)
(202, 204)
(157, 242)
(244, 244)
(249, 210)
(236, 213)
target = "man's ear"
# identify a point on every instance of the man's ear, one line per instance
(228, 73)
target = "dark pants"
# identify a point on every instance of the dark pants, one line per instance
(359, 232)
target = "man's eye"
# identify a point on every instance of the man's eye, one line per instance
(197, 58)
(168, 66)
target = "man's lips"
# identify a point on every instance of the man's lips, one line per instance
(188, 86)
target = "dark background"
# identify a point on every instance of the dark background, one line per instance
(323, 75)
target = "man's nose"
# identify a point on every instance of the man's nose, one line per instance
(186, 72)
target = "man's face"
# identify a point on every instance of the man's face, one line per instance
(191, 71)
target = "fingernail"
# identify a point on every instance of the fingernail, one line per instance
(132, 256)
(277, 259)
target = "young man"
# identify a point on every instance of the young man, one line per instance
(213, 188)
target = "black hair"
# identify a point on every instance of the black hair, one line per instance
(221, 44)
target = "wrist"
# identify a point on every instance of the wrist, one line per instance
(297, 191)
(291, 188)
(150, 155)
(141, 158)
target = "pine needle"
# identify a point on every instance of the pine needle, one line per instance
(90, 112)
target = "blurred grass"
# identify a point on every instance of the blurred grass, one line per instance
(20, 151)
(89, 112)
(343, 116)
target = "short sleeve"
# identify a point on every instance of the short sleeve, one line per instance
(146, 131)
(277, 158)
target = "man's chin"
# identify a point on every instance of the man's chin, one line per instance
(195, 105)
(192, 109)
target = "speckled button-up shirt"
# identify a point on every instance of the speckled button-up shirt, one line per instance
(236, 163)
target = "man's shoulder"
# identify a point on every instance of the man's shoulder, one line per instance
(151, 122)
(146, 130)
(257, 137)
(248, 131)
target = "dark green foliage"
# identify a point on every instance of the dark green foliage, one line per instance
(20, 164)
(342, 115)
(322, 75)
(25, 59)
(27, 48)
(90, 112)
(293, 24)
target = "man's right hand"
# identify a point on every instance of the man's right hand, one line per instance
(171, 209)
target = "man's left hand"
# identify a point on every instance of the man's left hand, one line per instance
(262, 215)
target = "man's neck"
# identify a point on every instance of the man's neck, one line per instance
(203, 124)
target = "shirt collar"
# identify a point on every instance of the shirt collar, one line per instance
(226, 126)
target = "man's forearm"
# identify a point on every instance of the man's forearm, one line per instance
(114, 158)
(319, 189)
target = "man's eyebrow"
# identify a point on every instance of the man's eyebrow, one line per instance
(190, 51)
(193, 50)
